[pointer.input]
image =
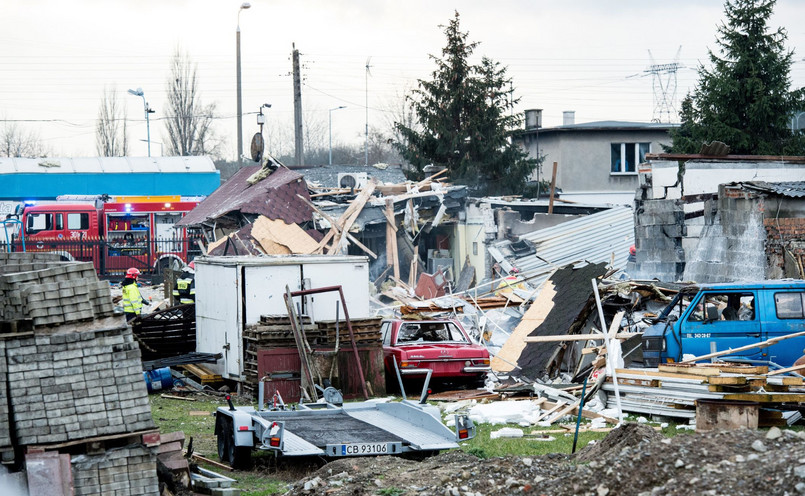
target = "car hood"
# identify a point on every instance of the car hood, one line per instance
(443, 350)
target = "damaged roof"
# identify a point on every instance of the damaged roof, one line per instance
(327, 175)
(274, 197)
(599, 237)
(791, 189)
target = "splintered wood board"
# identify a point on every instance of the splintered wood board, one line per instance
(656, 374)
(767, 397)
(727, 380)
(535, 315)
(674, 368)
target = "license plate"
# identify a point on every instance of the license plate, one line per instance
(363, 449)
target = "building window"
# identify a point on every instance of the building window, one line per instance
(624, 157)
(474, 247)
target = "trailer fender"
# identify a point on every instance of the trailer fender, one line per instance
(244, 431)
(240, 423)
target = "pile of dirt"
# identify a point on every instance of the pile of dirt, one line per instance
(626, 435)
(632, 462)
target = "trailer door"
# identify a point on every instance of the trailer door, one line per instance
(265, 287)
(218, 317)
(353, 277)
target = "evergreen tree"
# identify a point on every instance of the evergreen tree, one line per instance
(744, 99)
(464, 114)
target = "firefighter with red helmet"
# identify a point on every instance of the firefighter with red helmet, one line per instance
(132, 299)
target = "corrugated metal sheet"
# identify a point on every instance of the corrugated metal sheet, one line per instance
(599, 237)
(792, 189)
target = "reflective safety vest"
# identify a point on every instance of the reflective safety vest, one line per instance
(185, 290)
(132, 299)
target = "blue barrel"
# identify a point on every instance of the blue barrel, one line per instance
(159, 379)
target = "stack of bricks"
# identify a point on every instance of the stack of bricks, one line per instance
(129, 470)
(6, 451)
(74, 377)
(76, 385)
(52, 293)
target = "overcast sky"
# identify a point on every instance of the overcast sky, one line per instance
(588, 56)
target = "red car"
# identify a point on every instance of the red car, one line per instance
(440, 345)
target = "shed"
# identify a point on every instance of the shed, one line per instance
(48, 178)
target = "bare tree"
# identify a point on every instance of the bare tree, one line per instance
(316, 132)
(189, 122)
(16, 142)
(111, 139)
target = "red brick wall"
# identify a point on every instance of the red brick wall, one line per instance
(785, 234)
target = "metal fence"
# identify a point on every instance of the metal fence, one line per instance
(114, 257)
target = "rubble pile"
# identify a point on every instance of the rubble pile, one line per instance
(72, 382)
(637, 461)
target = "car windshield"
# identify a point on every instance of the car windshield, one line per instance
(430, 332)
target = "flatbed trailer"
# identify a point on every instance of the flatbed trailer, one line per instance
(331, 430)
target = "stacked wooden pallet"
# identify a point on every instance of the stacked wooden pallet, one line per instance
(272, 331)
(672, 389)
(366, 331)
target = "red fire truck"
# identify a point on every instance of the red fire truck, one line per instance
(116, 234)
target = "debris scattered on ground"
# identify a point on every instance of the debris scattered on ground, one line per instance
(631, 460)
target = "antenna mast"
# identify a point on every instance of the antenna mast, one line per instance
(366, 132)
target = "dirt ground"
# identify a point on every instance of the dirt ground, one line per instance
(631, 460)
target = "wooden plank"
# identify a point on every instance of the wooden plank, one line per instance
(767, 397)
(741, 369)
(675, 368)
(556, 406)
(637, 382)
(726, 380)
(394, 260)
(657, 374)
(787, 370)
(508, 355)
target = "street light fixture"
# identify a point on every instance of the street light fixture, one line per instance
(243, 6)
(331, 131)
(148, 110)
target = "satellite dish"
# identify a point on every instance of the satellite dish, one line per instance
(258, 147)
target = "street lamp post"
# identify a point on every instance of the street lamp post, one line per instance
(244, 5)
(331, 131)
(148, 110)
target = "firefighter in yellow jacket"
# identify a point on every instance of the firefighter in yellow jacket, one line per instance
(132, 299)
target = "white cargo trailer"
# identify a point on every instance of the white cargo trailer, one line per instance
(233, 292)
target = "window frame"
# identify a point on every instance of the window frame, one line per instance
(621, 159)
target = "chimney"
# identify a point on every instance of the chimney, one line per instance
(533, 119)
(568, 117)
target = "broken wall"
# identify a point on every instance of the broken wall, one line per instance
(659, 231)
(731, 246)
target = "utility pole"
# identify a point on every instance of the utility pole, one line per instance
(297, 108)
(366, 132)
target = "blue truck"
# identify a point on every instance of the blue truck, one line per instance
(703, 319)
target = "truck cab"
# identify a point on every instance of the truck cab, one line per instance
(703, 319)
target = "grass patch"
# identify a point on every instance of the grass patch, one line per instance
(483, 446)
(174, 415)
